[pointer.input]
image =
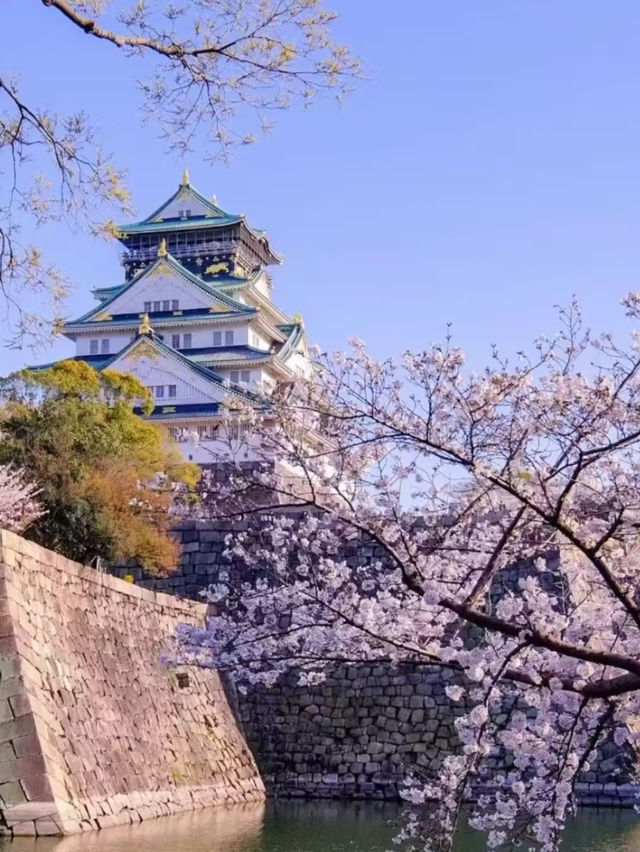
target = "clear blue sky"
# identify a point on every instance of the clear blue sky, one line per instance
(488, 169)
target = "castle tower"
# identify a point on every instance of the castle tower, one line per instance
(193, 319)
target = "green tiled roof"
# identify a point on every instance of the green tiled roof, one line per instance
(183, 412)
(104, 293)
(98, 362)
(215, 218)
(212, 207)
(179, 224)
(161, 318)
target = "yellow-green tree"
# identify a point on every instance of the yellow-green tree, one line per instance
(106, 475)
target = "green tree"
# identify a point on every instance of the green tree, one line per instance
(106, 475)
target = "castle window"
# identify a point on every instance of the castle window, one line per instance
(105, 346)
(172, 390)
(156, 306)
(175, 341)
(217, 338)
(207, 431)
(237, 430)
(159, 391)
(245, 376)
(228, 338)
(186, 341)
(234, 376)
(93, 347)
(174, 305)
(147, 307)
(166, 305)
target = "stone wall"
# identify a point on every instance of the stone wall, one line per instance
(202, 546)
(360, 732)
(94, 730)
(355, 735)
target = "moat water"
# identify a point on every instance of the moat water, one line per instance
(309, 827)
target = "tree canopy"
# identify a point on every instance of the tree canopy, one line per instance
(216, 70)
(505, 504)
(105, 475)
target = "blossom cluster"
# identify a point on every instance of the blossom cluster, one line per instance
(501, 516)
(18, 500)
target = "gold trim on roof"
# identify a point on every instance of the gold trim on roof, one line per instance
(215, 268)
(145, 325)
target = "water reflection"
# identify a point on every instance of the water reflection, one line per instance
(221, 829)
(329, 826)
(320, 826)
(603, 830)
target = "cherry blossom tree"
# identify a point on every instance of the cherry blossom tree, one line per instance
(19, 505)
(504, 505)
(212, 74)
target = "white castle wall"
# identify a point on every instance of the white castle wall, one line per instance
(161, 287)
(200, 337)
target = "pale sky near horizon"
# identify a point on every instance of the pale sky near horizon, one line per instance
(486, 170)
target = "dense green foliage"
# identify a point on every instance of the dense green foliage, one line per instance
(106, 475)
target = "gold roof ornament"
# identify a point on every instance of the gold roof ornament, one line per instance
(162, 248)
(217, 268)
(145, 326)
(297, 319)
(185, 178)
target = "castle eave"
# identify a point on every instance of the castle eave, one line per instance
(167, 225)
(167, 322)
(183, 412)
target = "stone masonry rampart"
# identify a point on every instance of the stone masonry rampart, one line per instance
(94, 730)
(358, 733)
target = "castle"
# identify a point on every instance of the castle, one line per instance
(194, 320)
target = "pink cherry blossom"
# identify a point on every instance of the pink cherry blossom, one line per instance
(18, 500)
(486, 522)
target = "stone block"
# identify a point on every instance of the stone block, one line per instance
(6, 622)
(24, 829)
(11, 793)
(47, 827)
(27, 745)
(10, 687)
(19, 767)
(20, 705)
(6, 713)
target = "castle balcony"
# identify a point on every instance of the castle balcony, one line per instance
(190, 249)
